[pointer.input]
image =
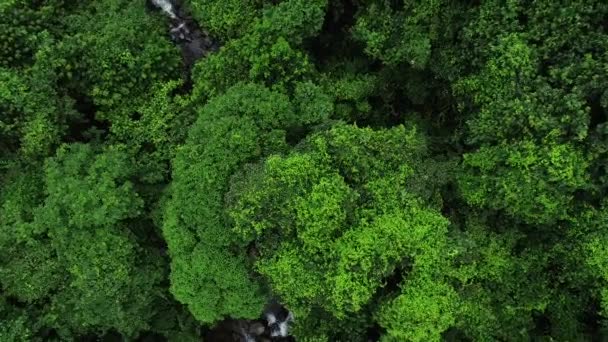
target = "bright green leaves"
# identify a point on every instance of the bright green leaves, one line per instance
(332, 220)
(371, 251)
(327, 221)
(534, 127)
(362, 156)
(323, 213)
(262, 187)
(422, 312)
(597, 254)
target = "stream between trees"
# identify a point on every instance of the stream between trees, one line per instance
(196, 43)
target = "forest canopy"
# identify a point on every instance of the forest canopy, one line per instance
(382, 170)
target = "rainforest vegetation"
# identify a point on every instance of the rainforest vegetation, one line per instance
(387, 170)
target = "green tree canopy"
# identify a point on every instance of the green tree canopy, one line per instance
(386, 170)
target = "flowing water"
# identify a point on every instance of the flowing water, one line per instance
(166, 6)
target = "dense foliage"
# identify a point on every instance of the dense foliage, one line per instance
(387, 170)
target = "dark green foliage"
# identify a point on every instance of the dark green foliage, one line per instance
(500, 288)
(32, 114)
(129, 56)
(154, 130)
(269, 52)
(74, 252)
(15, 324)
(25, 25)
(535, 183)
(226, 19)
(29, 269)
(534, 118)
(397, 34)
